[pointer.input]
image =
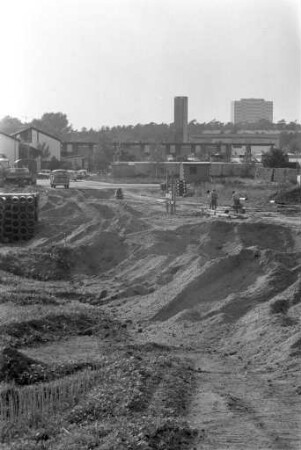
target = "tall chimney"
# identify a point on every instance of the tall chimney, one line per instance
(181, 119)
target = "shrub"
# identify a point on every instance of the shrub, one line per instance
(280, 306)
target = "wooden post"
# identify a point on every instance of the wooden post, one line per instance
(173, 195)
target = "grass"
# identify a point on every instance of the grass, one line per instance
(23, 408)
(53, 263)
(133, 401)
(59, 325)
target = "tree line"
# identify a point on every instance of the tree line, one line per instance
(57, 123)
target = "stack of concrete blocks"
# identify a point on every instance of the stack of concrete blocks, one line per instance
(18, 216)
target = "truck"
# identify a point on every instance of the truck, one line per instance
(23, 171)
(59, 177)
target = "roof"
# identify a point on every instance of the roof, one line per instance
(74, 157)
(80, 142)
(9, 136)
(167, 163)
(37, 129)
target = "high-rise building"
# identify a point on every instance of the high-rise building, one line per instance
(251, 110)
(181, 119)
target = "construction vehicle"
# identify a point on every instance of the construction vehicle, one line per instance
(23, 172)
(59, 177)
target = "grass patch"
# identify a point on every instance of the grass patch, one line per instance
(53, 327)
(54, 263)
(133, 401)
(280, 306)
(18, 368)
(27, 297)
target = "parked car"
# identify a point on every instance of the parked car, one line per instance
(44, 174)
(72, 175)
(59, 177)
(82, 174)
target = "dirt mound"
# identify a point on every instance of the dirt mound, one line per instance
(217, 280)
(265, 235)
(105, 251)
(274, 282)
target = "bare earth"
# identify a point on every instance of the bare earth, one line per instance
(205, 310)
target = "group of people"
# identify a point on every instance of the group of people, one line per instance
(213, 197)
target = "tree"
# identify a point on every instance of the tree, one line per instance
(54, 123)
(10, 125)
(44, 149)
(54, 163)
(281, 124)
(275, 158)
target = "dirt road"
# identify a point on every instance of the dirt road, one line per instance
(237, 407)
(89, 184)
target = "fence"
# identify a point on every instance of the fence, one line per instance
(279, 175)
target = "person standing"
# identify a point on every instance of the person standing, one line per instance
(236, 202)
(214, 198)
(168, 199)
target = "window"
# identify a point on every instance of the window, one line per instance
(192, 170)
(26, 135)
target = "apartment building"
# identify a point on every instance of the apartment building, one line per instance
(251, 110)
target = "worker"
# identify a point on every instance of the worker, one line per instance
(236, 202)
(119, 194)
(168, 198)
(209, 199)
(214, 198)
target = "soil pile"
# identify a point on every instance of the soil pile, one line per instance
(240, 265)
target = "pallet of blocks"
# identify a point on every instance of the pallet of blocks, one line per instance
(18, 216)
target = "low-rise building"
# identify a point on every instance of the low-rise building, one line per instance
(190, 171)
(79, 155)
(9, 147)
(48, 144)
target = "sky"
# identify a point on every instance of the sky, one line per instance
(122, 62)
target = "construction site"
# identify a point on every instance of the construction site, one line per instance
(126, 324)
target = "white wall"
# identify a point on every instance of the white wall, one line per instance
(53, 145)
(9, 147)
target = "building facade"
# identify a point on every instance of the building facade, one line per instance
(9, 147)
(49, 145)
(181, 119)
(79, 155)
(251, 110)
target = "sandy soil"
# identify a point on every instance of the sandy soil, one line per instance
(224, 292)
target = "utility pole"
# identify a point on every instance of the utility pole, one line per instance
(173, 195)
